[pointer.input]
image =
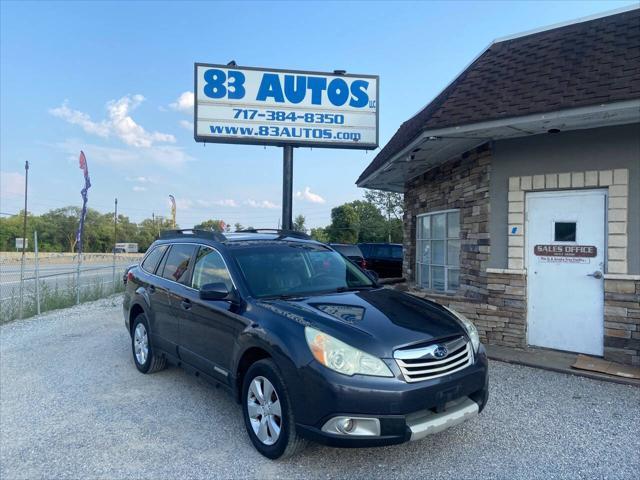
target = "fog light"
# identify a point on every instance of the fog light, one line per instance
(346, 425)
(353, 426)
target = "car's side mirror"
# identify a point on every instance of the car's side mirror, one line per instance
(214, 291)
(372, 275)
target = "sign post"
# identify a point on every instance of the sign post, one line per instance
(287, 187)
(285, 108)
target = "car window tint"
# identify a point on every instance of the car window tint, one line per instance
(349, 250)
(152, 260)
(209, 267)
(382, 251)
(176, 267)
(396, 251)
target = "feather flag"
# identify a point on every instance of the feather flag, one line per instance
(173, 210)
(87, 184)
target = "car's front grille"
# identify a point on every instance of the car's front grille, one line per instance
(435, 360)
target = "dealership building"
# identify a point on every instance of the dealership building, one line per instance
(521, 182)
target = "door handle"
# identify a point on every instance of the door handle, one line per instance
(186, 304)
(597, 274)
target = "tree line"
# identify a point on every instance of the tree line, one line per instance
(376, 218)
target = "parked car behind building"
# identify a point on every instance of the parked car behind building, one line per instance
(352, 252)
(383, 258)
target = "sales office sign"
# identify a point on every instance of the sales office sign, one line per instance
(277, 107)
(565, 253)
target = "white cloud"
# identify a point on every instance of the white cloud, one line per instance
(168, 156)
(184, 103)
(139, 179)
(227, 202)
(186, 125)
(260, 204)
(308, 196)
(75, 117)
(139, 188)
(11, 185)
(182, 203)
(119, 122)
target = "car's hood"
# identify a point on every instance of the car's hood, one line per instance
(378, 321)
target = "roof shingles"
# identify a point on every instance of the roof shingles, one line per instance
(587, 63)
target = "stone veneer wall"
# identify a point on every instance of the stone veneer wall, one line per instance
(496, 300)
(622, 320)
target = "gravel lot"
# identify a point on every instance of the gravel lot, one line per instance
(72, 405)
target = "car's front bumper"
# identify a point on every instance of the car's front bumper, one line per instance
(406, 411)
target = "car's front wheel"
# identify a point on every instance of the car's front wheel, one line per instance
(144, 357)
(268, 416)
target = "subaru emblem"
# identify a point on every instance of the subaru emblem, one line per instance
(440, 351)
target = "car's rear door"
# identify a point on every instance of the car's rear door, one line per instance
(173, 277)
(209, 332)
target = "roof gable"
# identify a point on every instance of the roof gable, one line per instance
(587, 63)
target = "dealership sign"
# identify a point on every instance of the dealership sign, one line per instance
(285, 107)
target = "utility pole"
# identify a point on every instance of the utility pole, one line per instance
(24, 234)
(115, 240)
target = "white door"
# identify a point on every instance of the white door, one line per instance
(565, 255)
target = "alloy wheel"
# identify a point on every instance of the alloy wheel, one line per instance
(141, 344)
(265, 413)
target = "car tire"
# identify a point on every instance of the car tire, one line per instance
(271, 430)
(146, 360)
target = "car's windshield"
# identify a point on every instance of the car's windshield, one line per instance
(296, 269)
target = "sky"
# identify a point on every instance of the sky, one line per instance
(115, 80)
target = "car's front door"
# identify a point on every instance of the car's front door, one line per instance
(210, 330)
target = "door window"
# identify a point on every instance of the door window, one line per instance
(209, 267)
(438, 250)
(177, 264)
(564, 232)
(396, 252)
(152, 260)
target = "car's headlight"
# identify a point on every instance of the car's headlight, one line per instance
(471, 329)
(343, 358)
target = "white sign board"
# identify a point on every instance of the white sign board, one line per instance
(279, 107)
(20, 242)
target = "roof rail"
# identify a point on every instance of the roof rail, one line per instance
(192, 232)
(282, 233)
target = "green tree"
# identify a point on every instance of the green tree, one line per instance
(372, 226)
(344, 224)
(390, 204)
(58, 229)
(320, 234)
(298, 224)
(212, 224)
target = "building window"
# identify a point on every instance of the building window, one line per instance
(438, 251)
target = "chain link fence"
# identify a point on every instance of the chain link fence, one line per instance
(50, 281)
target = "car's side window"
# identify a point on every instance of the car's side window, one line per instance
(396, 251)
(153, 259)
(209, 267)
(177, 264)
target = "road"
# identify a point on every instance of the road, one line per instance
(56, 275)
(72, 405)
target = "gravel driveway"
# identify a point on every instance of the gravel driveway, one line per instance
(72, 405)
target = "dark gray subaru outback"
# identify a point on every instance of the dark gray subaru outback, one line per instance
(306, 341)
